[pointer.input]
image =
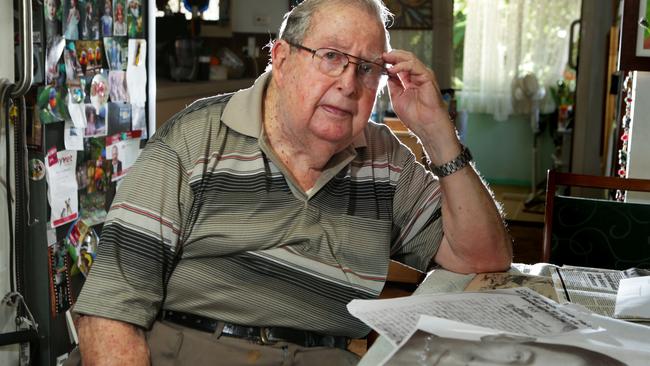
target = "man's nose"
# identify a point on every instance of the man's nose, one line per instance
(348, 80)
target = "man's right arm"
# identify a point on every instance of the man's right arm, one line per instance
(105, 341)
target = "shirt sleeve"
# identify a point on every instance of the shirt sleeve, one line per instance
(416, 213)
(139, 240)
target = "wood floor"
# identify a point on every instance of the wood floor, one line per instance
(524, 214)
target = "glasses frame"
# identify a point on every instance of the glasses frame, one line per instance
(384, 70)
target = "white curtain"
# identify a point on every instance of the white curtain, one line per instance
(505, 39)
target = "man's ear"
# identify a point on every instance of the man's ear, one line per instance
(279, 55)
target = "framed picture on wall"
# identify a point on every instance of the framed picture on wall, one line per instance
(408, 14)
(411, 14)
(634, 50)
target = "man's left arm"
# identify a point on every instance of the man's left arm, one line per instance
(475, 238)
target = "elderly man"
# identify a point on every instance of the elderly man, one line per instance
(267, 211)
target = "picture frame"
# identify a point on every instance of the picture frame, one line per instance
(411, 14)
(634, 49)
(408, 14)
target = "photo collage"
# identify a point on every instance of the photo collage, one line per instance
(95, 83)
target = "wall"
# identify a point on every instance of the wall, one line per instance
(503, 150)
(257, 16)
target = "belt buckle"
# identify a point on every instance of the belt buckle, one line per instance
(264, 336)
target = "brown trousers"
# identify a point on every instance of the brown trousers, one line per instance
(174, 345)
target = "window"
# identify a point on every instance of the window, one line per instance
(176, 6)
(506, 39)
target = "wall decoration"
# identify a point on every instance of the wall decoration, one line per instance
(408, 14)
(634, 52)
(411, 14)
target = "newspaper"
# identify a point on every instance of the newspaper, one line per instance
(592, 288)
(437, 341)
(500, 280)
(517, 311)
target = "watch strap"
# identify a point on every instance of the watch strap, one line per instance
(453, 166)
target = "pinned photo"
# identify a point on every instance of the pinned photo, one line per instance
(90, 56)
(119, 118)
(95, 122)
(107, 19)
(71, 20)
(122, 150)
(51, 105)
(99, 91)
(90, 21)
(116, 52)
(119, 18)
(73, 68)
(55, 46)
(52, 12)
(117, 84)
(134, 18)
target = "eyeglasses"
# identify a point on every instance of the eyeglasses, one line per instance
(333, 62)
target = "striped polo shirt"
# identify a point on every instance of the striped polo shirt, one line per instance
(208, 221)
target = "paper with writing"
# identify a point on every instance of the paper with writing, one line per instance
(518, 311)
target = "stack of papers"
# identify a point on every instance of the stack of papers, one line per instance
(499, 326)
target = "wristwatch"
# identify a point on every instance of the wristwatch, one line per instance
(453, 166)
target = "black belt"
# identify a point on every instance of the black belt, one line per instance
(261, 335)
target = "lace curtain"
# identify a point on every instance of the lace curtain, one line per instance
(505, 39)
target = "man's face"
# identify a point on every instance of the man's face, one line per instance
(322, 109)
(114, 154)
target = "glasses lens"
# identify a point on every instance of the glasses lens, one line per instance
(332, 62)
(370, 74)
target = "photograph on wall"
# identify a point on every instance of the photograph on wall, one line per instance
(95, 122)
(117, 85)
(51, 105)
(52, 11)
(411, 14)
(73, 68)
(81, 243)
(106, 18)
(116, 49)
(122, 150)
(119, 118)
(71, 19)
(119, 17)
(53, 52)
(60, 290)
(89, 21)
(90, 55)
(62, 186)
(134, 18)
(99, 91)
(93, 180)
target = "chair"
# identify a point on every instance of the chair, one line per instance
(596, 232)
